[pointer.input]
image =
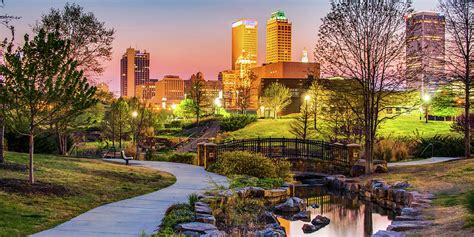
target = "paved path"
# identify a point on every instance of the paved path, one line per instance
(144, 213)
(209, 132)
(432, 160)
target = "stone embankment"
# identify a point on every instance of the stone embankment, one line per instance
(408, 203)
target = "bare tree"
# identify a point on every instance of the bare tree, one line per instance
(459, 16)
(364, 40)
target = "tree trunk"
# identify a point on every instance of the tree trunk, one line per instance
(467, 122)
(2, 140)
(31, 150)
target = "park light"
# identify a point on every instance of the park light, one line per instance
(426, 98)
(134, 114)
(173, 106)
(307, 98)
(217, 102)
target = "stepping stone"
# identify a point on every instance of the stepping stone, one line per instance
(384, 233)
(408, 225)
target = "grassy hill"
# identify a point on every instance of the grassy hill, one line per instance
(65, 188)
(406, 125)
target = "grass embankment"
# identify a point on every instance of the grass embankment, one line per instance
(406, 125)
(65, 187)
(449, 182)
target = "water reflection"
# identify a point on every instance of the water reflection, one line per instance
(349, 216)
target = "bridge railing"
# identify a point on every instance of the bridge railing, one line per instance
(294, 148)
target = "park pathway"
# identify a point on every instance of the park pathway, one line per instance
(133, 216)
(210, 132)
(432, 160)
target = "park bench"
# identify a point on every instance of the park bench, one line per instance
(122, 155)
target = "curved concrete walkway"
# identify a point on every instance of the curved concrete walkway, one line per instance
(132, 216)
(428, 161)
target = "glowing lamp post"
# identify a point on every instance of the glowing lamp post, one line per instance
(426, 101)
(218, 104)
(134, 114)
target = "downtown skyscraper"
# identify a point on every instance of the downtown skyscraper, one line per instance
(425, 51)
(134, 71)
(278, 38)
(244, 43)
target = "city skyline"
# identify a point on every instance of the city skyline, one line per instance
(183, 40)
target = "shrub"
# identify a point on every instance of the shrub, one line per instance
(176, 214)
(192, 199)
(469, 200)
(240, 181)
(391, 150)
(444, 146)
(131, 150)
(237, 121)
(186, 158)
(252, 164)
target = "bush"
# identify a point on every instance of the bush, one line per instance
(252, 164)
(176, 214)
(469, 200)
(240, 181)
(237, 121)
(391, 150)
(186, 158)
(444, 146)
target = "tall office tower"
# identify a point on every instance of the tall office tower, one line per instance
(244, 40)
(134, 71)
(278, 38)
(425, 51)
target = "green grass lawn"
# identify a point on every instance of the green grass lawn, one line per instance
(65, 188)
(403, 126)
(407, 125)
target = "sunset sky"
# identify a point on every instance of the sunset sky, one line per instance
(184, 36)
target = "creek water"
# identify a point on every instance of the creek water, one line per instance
(350, 216)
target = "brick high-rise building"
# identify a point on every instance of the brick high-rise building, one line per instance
(244, 40)
(278, 38)
(425, 51)
(134, 71)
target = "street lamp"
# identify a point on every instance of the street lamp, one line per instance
(134, 114)
(307, 98)
(218, 104)
(426, 100)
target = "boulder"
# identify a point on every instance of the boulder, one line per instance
(409, 211)
(205, 218)
(302, 216)
(256, 192)
(380, 169)
(384, 233)
(408, 218)
(214, 233)
(269, 218)
(243, 192)
(408, 225)
(320, 221)
(271, 231)
(401, 185)
(292, 204)
(279, 192)
(202, 209)
(357, 170)
(308, 228)
(198, 227)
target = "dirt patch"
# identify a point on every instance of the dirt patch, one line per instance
(21, 186)
(13, 167)
(448, 221)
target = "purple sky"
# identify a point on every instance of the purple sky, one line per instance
(185, 36)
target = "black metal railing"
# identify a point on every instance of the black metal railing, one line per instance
(290, 148)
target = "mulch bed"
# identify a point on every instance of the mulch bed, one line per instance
(21, 186)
